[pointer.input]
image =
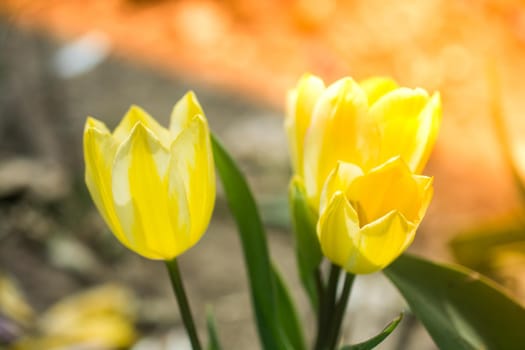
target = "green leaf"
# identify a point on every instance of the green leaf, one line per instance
(459, 308)
(213, 337)
(265, 285)
(375, 341)
(307, 248)
(287, 315)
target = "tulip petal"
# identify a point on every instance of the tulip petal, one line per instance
(337, 226)
(405, 129)
(339, 132)
(339, 180)
(377, 87)
(427, 133)
(99, 152)
(380, 243)
(136, 115)
(391, 186)
(140, 192)
(192, 162)
(426, 190)
(361, 250)
(299, 107)
(183, 112)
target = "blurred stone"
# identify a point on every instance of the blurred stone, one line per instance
(66, 252)
(260, 138)
(158, 311)
(259, 144)
(81, 55)
(44, 180)
(27, 219)
(176, 339)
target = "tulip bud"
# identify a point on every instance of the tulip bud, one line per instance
(155, 187)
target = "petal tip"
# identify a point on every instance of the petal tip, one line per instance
(135, 109)
(94, 124)
(191, 97)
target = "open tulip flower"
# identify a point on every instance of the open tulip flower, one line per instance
(155, 187)
(368, 219)
(364, 124)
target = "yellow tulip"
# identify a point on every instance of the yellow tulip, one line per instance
(155, 187)
(365, 124)
(369, 217)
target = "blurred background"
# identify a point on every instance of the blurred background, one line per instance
(66, 283)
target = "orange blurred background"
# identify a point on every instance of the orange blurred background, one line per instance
(260, 48)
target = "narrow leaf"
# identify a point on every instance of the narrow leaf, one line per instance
(265, 286)
(375, 341)
(287, 315)
(459, 308)
(213, 337)
(307, 248)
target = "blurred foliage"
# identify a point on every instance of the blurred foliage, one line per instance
(480, 247)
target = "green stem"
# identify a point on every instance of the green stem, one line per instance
(320, 287)
(182, 300)
(326, 309)
(340, 308)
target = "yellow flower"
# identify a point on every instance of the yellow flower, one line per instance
(155, 187)
(365, 124)
(369, 217)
